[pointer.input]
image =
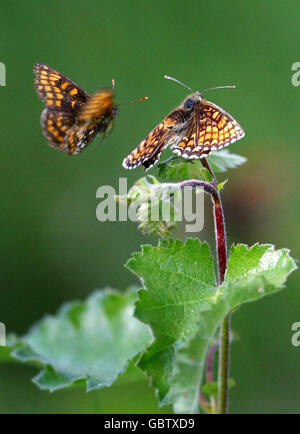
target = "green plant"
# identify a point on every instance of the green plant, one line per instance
(171, 328)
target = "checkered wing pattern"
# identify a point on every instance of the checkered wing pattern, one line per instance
(210, 128)
(72, 118)
(56, 127)
(148, 151)
(57, 91)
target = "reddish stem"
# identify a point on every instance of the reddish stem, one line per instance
(209, 363)
(220, 237)
(224, 338)
(219, 226)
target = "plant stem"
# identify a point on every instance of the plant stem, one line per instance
(220, 233)
(209, 363)
(224, 339)
(209, 374)
(207, 186)
(224, 352)
(206, 164)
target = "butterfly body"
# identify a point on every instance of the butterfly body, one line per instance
(72, 118)
(193, 130)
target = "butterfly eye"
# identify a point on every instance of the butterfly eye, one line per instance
(115, 111)
(189, 104)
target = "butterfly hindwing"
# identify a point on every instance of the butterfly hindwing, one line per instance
(79, 138)
(56, 127)
(64, 134)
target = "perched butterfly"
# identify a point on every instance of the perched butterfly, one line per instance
(72, 118)
(194, 129)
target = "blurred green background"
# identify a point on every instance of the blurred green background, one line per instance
(54, 249)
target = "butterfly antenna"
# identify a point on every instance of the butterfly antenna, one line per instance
(177, 81)
(219, 87)
(144, 98)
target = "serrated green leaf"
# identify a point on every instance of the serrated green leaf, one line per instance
(52, 380)
(180, 282)
(184, 307)
(255, 272)
(180, 170)
(87, 342)
(222, 160)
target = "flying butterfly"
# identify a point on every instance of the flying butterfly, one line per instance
(72, 118)
(194, 129)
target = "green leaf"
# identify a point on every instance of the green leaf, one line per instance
(220, 186)
(180, 169)
(184, 307)
(222, 160)
(211, 389)
(87, 342)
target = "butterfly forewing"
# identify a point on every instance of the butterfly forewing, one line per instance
(152, 144)
(93, 118)
(148, 151)
(100, 105)
(57, 91)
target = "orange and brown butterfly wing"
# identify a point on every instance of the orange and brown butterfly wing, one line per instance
(63, 98)
(93, 118)
(148, 151)
(210, 128)
(79, 138)
(64, 134)
(57, 91)
(72, 118)
(98, 107)
(56, 127)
